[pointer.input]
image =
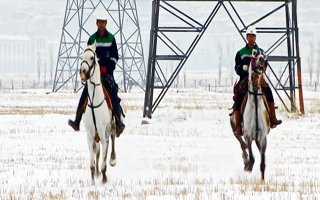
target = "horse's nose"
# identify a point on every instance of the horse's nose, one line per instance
(82, 72)
(261, 59)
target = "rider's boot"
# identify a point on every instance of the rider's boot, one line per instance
(80, 110)
(272, 116)
(237, 116)
(118, 113)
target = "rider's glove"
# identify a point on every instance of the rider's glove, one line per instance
(245, 68)
(103, 70)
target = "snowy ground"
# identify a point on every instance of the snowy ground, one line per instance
(187, 151)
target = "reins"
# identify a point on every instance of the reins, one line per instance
(255, 93)
(90, 104)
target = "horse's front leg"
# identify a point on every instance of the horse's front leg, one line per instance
(249, 164)
(104, 146)
(262, 152)
(243, 147)
(97, 153)
(113, 159)
(92, 150)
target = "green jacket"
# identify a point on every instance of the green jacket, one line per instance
(243, 57)
(106, 50)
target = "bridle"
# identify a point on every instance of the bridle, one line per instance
(258, 70)
(89, 75)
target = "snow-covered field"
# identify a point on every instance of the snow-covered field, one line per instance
(187, 151)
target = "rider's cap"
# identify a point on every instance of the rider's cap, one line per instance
(102, 15)
(251, 30)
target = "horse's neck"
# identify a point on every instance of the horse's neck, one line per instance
(254, 111)
(254, 90)
(250, 86)
(259, 102)
(95, 86)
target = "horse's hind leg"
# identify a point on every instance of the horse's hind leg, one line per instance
(113, 159)
(104, 145)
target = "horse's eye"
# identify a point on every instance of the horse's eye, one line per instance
(91, 58)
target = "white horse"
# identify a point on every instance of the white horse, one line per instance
(97, 118)
(256, 123)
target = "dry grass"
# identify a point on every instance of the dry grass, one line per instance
(173, 155)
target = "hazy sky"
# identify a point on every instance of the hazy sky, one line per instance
(45, 18)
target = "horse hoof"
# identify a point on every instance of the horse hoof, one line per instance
(248, 167)
(104, 179)
(113, 162)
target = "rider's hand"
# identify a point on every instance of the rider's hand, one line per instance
(245, 68)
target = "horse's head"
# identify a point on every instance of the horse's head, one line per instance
(89, 62)
(260, 63)
(258, 69)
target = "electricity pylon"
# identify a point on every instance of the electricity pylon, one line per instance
(165, 48)
(79, 23)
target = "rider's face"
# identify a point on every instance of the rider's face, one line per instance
(101, 24)
(251, 39)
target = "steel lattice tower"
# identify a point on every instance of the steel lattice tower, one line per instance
(122, 22)
(164, 34)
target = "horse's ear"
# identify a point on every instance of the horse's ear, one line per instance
(94, 45)
(265, 57)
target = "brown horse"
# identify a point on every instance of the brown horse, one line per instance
(256, 123)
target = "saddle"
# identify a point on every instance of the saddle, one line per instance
(244, 102)
(107, 98)
(242, 87)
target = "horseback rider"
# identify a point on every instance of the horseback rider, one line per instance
(243, 58)
(107, 53)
